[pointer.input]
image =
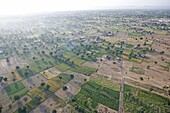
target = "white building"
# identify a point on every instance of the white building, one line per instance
(1, 51)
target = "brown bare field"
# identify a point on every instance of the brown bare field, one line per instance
(34, 81)
(68, 109)
(105, 68)
(15, 105)
(13, 77)
(50, 73)
(6, 67)
(79, 77)
(4, 98)
(104, 109)
(73, 89)
(73, 86)
(48, 106)
(54, 71)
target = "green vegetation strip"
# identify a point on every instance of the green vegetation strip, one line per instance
(93, 94)
(16, 89)
(140, 101)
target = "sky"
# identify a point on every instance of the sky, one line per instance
(17, 7)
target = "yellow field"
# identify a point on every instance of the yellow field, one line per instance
(17, 77)
(39, 92)
(136, 60)
(47, 74)
(55, 84)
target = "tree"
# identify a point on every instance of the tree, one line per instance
(37, 99)
(155, 62)
(60, 77)
(148, 67)
(1, 108)
(5, 79)
(28, 67)
(64, 88)
(71, 76)
(16, 97)
(82, 56)
(162, 52)
(144, 43)
(25, 99)
(17, 67)
(26, 73)
(7, 59)
(72, 62)
(48, 87)
(42, 84)
(54, 111)
(22, 109)
(51, 53)
(151, 89)
(1, 78)
(141, 78)
(43, 52)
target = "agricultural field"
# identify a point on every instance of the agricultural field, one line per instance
(144, 101)
(94, 94)
(50, 104)
(13, 107)
(4, 98)
(34, 81)
(100, 61)
(16, 89)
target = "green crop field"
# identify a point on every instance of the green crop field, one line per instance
(84, 70)
(25, 73)
(137, 100)
(137, 70)
(16, 89)
(98, 94)
(63, 67)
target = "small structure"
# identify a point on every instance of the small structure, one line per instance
(109, 34)
(142, 55)
(1, 51)
(107, 57)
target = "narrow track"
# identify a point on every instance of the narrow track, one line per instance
(121, 88)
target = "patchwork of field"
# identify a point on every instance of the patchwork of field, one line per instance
(73, 88)
(13, 107)
(4, 98)
(93, 94)
(49, 105)
(15, 89)
(71, 62)
(6, 67)
(34, 81)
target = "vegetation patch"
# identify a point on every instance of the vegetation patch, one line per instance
(77, 60)
(25, 72)
(16, 89)
(63, 67)
(137, 70)
(84, 70)
(140, 101)
(98, 94)
(47, 74)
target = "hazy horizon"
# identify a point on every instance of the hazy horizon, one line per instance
(20, 7)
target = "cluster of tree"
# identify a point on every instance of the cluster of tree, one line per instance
(3, 78)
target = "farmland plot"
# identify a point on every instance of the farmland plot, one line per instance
(34, 81)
